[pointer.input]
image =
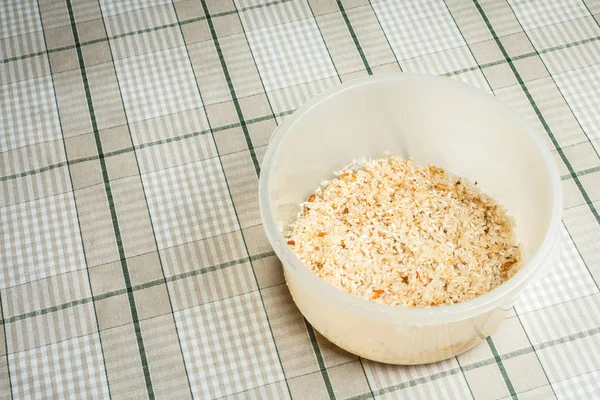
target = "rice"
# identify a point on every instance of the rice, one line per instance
(395, 232)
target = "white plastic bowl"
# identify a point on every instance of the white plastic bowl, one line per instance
(436, 121)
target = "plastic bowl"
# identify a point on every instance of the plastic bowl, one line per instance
(436, 121)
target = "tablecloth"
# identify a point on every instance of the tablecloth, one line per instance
(133, 259)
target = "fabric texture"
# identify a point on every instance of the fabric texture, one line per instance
(133, 259)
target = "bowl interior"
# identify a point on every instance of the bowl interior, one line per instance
(434, 122)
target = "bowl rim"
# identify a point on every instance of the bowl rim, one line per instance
(417, 315)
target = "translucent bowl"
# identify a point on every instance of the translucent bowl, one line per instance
(436, 121)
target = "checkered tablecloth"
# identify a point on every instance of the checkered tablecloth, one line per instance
(133, 262)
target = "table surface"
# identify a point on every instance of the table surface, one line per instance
(133, 259)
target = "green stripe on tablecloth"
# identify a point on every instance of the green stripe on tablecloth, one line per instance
(354, 38)
(581, 173)
(587, 267)
(35, 171)
(500, 364)
(83, 246)
(5, 344)
(111, 206)
(539, 113)
(320, 362)
(462, 371)
(524, 55)
(146, 285)
(139, 174)
(63, 163)
(141, 146)
(236, 103)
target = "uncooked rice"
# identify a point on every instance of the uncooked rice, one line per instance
(395, 232)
